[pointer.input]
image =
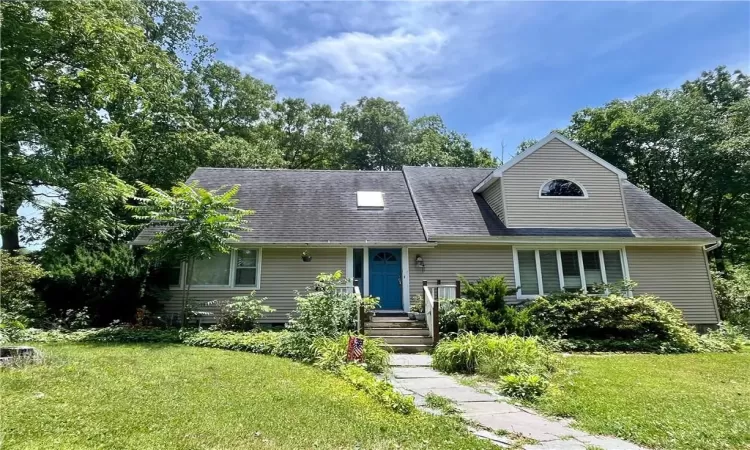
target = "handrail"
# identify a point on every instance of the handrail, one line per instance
(432, 311)
(360, 309)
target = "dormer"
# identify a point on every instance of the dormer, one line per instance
(556, 184)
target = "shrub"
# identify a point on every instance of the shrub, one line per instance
(525, 387)
(241, 313)
(460, 354)
(20, 304)
(642, 323)
(493, 355)
(330, 353)
(733, 296)
(115, 334)
(490, 291)
(110, 283)
(726, 338)
(505, 355)
(378, 389)
(325, 311)
(474, 317)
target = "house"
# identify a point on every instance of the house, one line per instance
(554, 217)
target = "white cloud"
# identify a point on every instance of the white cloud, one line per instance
(416, 53)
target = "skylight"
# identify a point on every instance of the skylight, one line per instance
(370, 200)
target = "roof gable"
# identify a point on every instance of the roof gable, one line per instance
(484, 184)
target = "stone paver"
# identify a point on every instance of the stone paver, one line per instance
(412, 375)
(411, 360)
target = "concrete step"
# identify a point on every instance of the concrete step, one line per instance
(390, 319)
(395, 324)
(398, 340)
(410, 348)
(398, 331)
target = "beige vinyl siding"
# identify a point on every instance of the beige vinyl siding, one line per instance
(282, 273)
(678, 275)
(494, 197)
(524, 208)
(445, 262)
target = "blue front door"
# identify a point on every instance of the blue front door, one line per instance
(385, 277)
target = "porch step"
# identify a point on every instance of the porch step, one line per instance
(413, 340)
(397, 331)
(398, 323)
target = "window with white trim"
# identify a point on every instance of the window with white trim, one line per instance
(239, 268)
(543, 272)
(246, 271)
(561, 187)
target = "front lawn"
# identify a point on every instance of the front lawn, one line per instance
(696, 401)
(170, 396)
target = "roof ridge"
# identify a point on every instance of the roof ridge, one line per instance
(297, 170)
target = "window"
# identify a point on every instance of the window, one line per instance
(212, 272)
(174, 274)
(238, 269)
(370, 200)
(359, 260)
(540, 272)
(562, 188)
(246, 271)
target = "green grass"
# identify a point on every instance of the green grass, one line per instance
(145, 396)
(443, 404)
(698, 401)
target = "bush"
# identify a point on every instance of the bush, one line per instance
(733, 296)
(493, 355)
(642, 323)
(378, 389)
(115, 334)
(726, 338)
(20, 304)
(325, 311)
(525, 387)
(490, 291)
(330, 353)
(241, 313)
(110, 283)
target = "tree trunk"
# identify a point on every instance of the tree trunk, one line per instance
(11, 241)
(186, 292)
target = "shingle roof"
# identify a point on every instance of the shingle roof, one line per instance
(317, 206)
(448, 207)
(650, 218)
(320, 207)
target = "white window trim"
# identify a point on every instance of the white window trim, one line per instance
(557, 197)
(232, 275)
(557, 250)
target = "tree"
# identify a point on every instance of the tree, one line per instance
(76, 76)
(380, 128)
(432, 144)
(191, 223)
(687, 147)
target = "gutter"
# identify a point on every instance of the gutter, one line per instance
(713, 246)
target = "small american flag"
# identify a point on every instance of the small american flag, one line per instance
(355, 350)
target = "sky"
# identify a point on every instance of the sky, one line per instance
(497, 72)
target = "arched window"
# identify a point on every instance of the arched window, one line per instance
(561, 187)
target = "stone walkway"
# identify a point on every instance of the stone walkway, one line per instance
(412, 375)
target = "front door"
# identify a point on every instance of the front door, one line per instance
(385, 277)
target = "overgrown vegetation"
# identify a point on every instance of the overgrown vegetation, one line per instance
(496, 357)
(240, 313)
(324, 310)
(733, 296)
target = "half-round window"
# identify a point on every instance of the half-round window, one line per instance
(561, 188)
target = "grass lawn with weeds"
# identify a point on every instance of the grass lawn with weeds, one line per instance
(170, 396)
(697, 401)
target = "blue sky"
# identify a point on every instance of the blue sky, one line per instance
(498, 72)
